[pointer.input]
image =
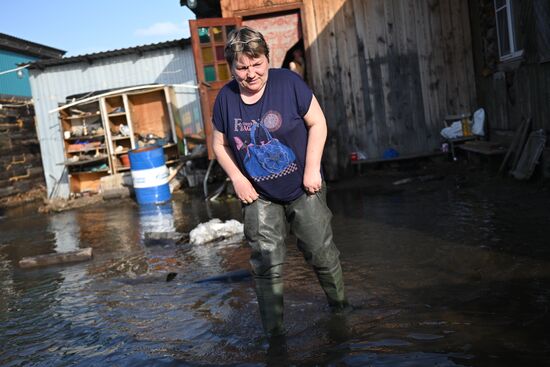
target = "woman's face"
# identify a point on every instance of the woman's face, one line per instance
(250, 72)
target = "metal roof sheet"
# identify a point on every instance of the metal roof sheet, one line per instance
(20, 45)
(90, 58)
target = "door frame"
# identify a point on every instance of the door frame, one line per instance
(299, 7)
(205, 87)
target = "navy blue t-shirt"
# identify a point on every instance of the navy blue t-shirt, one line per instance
(268, 138)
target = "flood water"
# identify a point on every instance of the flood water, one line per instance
(452, 276)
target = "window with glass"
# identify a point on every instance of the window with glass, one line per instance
(212, 42)
(506, 13)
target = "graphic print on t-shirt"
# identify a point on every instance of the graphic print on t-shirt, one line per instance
(266, 158)
(272, 120)
(281, 109)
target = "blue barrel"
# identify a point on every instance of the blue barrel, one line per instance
(150, 175)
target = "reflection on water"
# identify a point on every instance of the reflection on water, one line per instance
(446, 278)
(156, 219)
(66, 231)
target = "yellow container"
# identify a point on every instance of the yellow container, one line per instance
(466, 127)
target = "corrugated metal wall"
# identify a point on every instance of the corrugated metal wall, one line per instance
(10, 83)
(51, 86)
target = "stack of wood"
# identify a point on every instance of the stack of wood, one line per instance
(20, 160)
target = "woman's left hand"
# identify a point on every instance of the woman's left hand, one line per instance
(312, 181)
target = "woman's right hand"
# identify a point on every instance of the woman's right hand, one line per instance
(244, 190)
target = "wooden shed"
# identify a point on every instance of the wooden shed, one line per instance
(386, 72)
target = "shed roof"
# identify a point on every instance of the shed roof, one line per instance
(90, 58)
(19, 45)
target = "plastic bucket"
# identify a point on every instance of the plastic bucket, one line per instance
(125, 160)
(150, 175)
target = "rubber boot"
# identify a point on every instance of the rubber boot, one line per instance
(269, 292)
(332, 282)
(277, 352)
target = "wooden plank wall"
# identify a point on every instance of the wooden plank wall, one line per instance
(512, 91)
(386, 72)
(150, 114)
(509, 97)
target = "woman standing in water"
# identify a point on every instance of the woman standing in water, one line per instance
(269, 137)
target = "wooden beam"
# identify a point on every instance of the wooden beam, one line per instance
(57, 258)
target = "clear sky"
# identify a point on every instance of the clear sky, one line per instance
(82, 27)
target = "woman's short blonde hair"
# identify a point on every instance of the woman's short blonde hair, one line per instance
(245, 40)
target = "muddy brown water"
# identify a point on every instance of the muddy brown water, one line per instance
(452, 274)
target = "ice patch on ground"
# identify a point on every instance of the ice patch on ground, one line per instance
(215, 229)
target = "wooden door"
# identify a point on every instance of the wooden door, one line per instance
(208, 37)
